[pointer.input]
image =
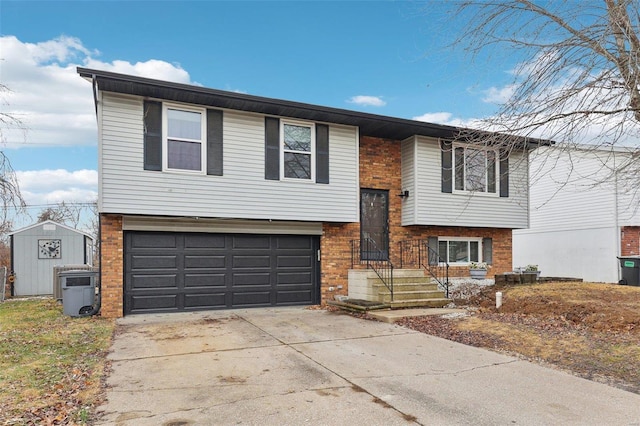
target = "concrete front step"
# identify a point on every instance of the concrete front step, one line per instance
(407, 287)
(417, 303)
(410, 295)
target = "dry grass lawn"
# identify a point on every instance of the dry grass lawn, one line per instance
(51, 365)
(592, 330)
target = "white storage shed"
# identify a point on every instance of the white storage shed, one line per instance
(37, 249)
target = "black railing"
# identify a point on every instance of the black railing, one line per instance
(367, 253)
(418, 254)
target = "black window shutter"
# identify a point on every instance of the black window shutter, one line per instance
(214, 142)
(447, 160)
(152, 135)
(487, 250)
(322, 153)
(434, 256)
(504, 174)
(272, 148)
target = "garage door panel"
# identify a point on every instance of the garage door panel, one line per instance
(294, 261)
(205, 300)
(251, 262)
(294, 297)
(293, 242)
(208, 241)
(154, 281)
(295, 278)
(192, 271)
(251, 298)
(139, 262)
(140, 303)
(154, 241)
(241, 242)
(200, 261)
(240, 279)
(204, 280)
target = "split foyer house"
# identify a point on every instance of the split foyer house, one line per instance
(211, 199)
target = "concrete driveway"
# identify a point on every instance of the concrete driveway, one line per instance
(291, 366)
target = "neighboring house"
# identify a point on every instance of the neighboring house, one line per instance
(212, 199)
(585, 212)
(36, 249)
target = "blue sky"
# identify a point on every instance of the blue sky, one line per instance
(388, 58)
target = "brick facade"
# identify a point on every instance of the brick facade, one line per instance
(380, 168)
(630, 241)
(112, 265)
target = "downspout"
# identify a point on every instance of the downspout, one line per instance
(12, 272)
(94, 85)
(98, 301)
(617, 218)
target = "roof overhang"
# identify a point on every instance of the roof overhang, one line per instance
(379, 126)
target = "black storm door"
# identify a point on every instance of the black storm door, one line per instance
(374, 224)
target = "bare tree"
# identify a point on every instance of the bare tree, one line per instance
(68, 214)
(9, 189)
(577, 80)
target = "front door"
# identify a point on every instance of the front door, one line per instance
(374, 224)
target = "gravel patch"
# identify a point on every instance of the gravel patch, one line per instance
(465, 288)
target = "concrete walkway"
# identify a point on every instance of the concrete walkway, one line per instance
(291, 366)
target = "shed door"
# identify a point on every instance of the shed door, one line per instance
(168, 271)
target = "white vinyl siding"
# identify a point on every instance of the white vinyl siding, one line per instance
(563, 195)
(242, 192)
(577, 209)
(433, 207)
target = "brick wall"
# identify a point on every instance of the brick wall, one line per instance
(630, 241)
(380, 168)
(112, 265)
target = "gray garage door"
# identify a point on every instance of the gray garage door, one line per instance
(169, 271)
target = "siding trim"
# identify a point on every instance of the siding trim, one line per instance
(231, 226)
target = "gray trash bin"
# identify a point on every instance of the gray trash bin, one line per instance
(630, 266)
(78, 292)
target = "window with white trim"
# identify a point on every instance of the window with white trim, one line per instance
(298, 150)
(184, 141)
(454, 250)
(475, 169)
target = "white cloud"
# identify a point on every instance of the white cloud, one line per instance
(367, 101)
(53, 186)
(501, 95)
(448, 119)
(54, 104)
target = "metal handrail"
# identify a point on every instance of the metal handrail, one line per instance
(417, 253)
(375, 259)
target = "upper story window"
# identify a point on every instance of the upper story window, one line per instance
(184, 141)
(475, 169)
(298, 150)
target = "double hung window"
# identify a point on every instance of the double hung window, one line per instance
(475, 169)
(184, 141)
(298, 150)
